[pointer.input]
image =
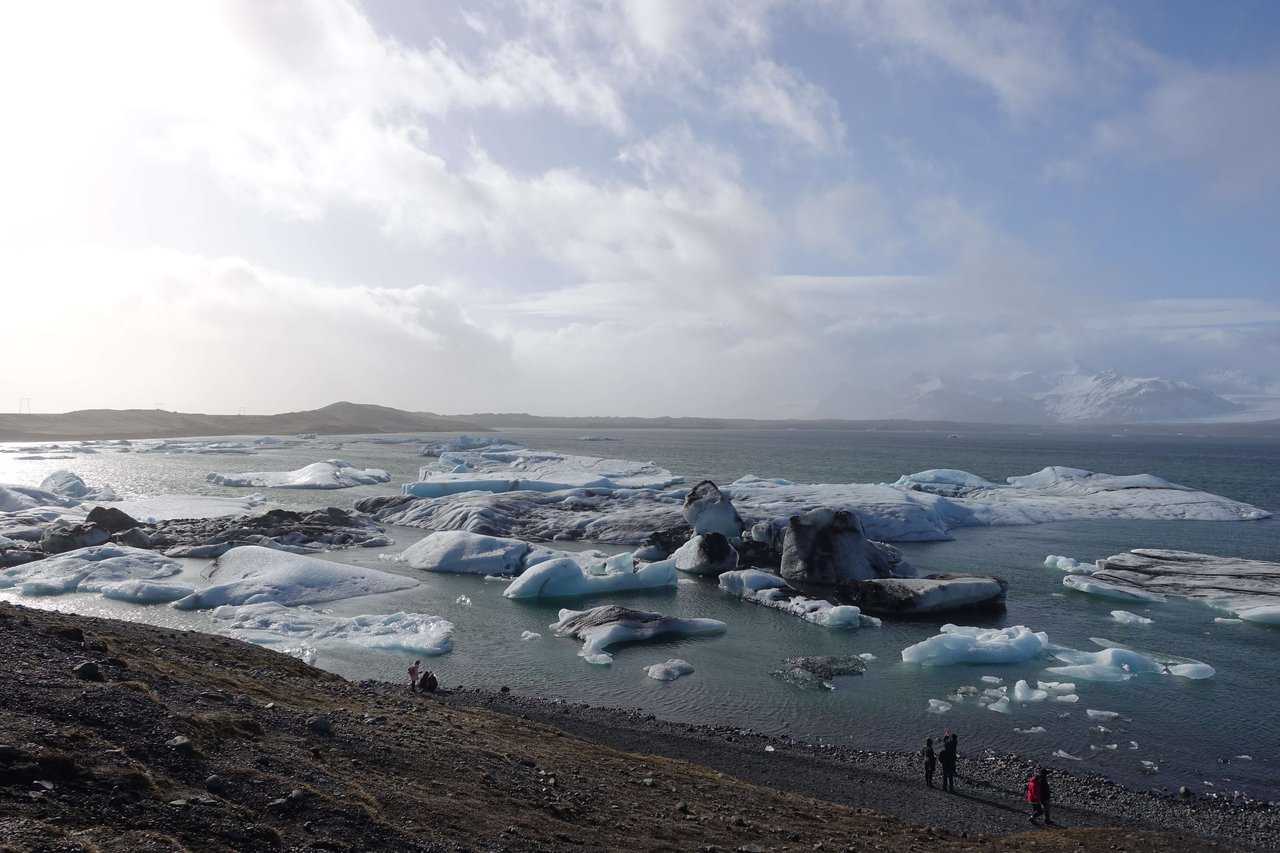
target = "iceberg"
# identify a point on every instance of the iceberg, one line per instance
(513, 470)
(138, 591)
(69, 485)
(772, 591)
(461, 552)
(937, 706)
(1069, 565)
(1024, 692)
(172, 507)
(1126, 618)
(331, 474)
(14, 498)
(271, 623)
(819, 670)
(601, 628)
(564, 577)
(669, 670)
(957, 644)
(255, 575)
(1117, 662)
(706, 554)
(91, 569)
(1090, 586)
(709, 510)
(928, 595)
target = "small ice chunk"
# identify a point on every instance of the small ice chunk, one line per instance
(937, 706)
(1001, 705)
(1024, 692)
(1056, 688)
(1062, 753)
(1127, 618)
(601, 628)
(1106, 747)
(992, 679)
(768, 747)
(1034, 730)
(1133, 744)
(1194, 671)
(331, 474)
(464, 600)
(867, 656)
(530, 635)
(1069, 565)
(1223, 620)
(669, 670)
(1102, 715)
(1067, 698)
(1149, 766)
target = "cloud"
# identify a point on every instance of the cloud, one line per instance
(781, 98)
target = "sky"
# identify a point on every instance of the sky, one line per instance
(656, 207)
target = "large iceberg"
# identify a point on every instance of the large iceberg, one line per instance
(15, 498)
(601, 628)
(273, 624)
(1245, 589)
(563, 577)
(1118, 662)
(462, 552)
(925, 596)
(69, 485)
(772, 591)
(515, 470)
(957, 644)
(547, 496)
(254, 575)
(331, 474)
(94, 569)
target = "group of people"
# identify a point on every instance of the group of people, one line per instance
(947, 756)
(422, 679)
(1038, 791)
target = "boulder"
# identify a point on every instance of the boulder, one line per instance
(64, 537)
(828, 546)
(111, 519)
(709, 510)
(706, 554)
(926, 596)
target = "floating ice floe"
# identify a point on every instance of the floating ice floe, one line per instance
(461, 552)
(256, 575)
(1117, 662)
(669, 670)
(819, 670)
(992, 679)
(772, 591)
(530, 635)
(139, 591)
(15, 498)
(933, 594)
(464, 600)
(1033, 730)
(507, 469)
(93, 569)
(566, 577)
(1024, 692)
(1000, 706)
(609, 625)
(168, 507)
(1101, 715)
(1244, 589)
(958, 644)
(937, 706)
(867, 656)
(275, 624)
(196, 445)
(468, 443)
(1062, 753)
(1068, 565)
(1127, 618)
(332, 474)
(69, 485)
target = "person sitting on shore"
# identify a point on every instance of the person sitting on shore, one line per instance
(948, 758)
(429, 682)
(930, 761)
(413, 675)
(1038, 795)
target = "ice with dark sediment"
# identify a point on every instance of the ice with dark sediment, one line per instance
(771, 591)
(1244, 589)
(605, 627)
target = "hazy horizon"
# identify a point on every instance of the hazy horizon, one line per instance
(712, 209)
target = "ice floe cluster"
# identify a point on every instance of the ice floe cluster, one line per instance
(330, 474)
(274, 624)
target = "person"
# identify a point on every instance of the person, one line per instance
(948, 759)
(1038, 795)
(429, 682)
(413, 675)
(930, 761)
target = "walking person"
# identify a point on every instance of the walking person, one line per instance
(930, 761)
(948, 759)
(1039, 795)
(413, 675)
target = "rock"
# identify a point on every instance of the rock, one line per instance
(709, 510)
(88, 671)
(71, 633)
(1185, 793)
(320, 725)
(706, 554)
(111, 519)
(215, 784)
(926, 596)
(65, 536)
(134, 537)
(828, 546)
(181, 745)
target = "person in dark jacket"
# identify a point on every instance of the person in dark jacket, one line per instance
(948, 758)
(930, 761)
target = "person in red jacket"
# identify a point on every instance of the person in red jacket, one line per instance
(1039, 795)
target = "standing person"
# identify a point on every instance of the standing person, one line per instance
(948, 759)
(1045, 795)
(1035, 796)
(413, 675)
(930, 761)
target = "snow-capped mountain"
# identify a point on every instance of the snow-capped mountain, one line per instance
(1105, 397)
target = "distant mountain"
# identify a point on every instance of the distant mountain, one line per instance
(335, 419)
(1061, 398)
(1112, 398)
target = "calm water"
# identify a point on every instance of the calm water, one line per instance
(1187, 728)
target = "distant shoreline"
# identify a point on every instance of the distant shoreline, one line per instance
(365, 419)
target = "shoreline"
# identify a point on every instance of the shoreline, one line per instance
(105, 748)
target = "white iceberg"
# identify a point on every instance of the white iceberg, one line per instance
(937, 706)
(255, 575)
(601, 628)
(772, 591)
(1069, 565)
(166, 507)
(275, 624)
(1000, 706)
(530, 635)
(1126, 618)
(515, 470)
(669, 670)
(461, 552)
(958, 644)
(69, 485)
(1117, 663)
(138, 591)
(1088, 585)
(564, 577)
(331, 474)
(15, 498)
(87, 570)
(1024, 692)
(1101, 715)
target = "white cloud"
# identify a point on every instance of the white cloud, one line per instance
(781, 98)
